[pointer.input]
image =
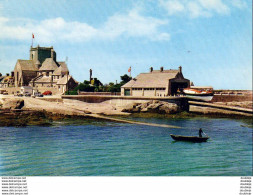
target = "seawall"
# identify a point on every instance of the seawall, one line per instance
(231, 98)
(123, 101)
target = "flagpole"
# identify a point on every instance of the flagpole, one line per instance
(32, 39)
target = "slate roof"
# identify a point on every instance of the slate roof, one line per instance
(49, 64)
(63, 80)
(43, 79)
(155, 79)
(27, 65)
(62, 69)
(1, 78)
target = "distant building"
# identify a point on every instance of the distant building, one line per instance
(43, 71)
(7, 80)
(156, 83)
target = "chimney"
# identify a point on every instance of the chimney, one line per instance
(151, 69)
(12, 73)
(161, 69)
(90, 74)
(180, 69)
(53, 54)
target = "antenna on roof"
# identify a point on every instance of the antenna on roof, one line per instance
(66, 60)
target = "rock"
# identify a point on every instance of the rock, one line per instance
(154, 106)
(169, 108)
(87, 112)
(144, 110)
(13, 104)
(132, 107)
(145, 105)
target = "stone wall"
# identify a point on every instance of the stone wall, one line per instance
(98, 93)
(11, 90)
(232, 98)
(54, 90)
(124, 102)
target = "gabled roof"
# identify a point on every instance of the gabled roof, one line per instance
(63, 80)
(49, 64)
(27, 65)
(43, 79)
(7, 79)
(62, 69)
(63, 65)
(155, 79)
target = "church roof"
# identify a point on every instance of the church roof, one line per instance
(63, 80)
(154, 79)
(37, 62)
(27, 65)
(62, 69)
(43, 79)
(49, 64)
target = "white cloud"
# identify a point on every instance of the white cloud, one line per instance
(172, 6)
(216, 5)
(195, 10)
(239, 3)
(134, 25)
(200, 8)
(57, 29)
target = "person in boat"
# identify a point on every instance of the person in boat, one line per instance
(200, 132)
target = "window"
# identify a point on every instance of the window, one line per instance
(47, 74)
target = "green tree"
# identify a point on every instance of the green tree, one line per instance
(124, 79)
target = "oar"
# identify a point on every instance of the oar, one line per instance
(205, 134)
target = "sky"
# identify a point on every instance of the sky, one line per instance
(210, 39)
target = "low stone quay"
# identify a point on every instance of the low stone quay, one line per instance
(213, 105)
(183, 102)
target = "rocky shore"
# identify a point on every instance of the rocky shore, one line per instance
(22, 111)
(153, 106)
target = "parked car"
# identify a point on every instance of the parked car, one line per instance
(27, 94)
(47, 93)
(20, 95)
(38, 94)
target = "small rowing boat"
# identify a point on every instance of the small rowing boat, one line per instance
(189, 138)
(199, 94)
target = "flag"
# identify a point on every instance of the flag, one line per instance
(129, 69)
(33, 36)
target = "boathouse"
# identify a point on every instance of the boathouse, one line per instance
(156, 83)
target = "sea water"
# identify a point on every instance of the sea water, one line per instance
(116, 149)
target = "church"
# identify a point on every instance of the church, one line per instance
(43, 72)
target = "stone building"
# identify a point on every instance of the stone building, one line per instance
(156, 83)
(43, 71)
(7, 80)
